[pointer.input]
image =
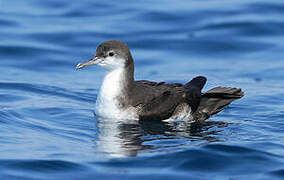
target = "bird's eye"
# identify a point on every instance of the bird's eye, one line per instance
(111, 53)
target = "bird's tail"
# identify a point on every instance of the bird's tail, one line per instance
(215, 100)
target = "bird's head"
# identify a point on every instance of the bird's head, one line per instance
(110, 55)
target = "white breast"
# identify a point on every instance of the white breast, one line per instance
(107, 104)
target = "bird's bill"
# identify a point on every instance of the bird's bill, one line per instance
(92, 61)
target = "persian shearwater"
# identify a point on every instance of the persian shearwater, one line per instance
(121, 97)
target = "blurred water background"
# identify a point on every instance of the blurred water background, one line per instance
(47, 126)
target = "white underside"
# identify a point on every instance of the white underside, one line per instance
(183, 114)
(180, 117)
(107, 104)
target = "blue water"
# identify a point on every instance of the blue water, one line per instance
(47, 126)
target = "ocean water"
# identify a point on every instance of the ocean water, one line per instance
(48, 129)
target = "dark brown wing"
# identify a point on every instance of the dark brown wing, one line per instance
(158, 100)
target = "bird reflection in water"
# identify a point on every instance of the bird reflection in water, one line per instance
(121, 138)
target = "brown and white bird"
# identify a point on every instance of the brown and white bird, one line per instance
(121, 97)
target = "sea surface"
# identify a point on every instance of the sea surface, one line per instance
(48, 130)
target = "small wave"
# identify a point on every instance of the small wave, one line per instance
(48, 90)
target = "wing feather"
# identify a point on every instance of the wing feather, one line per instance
(158, 100)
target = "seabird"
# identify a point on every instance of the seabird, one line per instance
(121, 97)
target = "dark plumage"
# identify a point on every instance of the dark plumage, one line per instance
(160, 100)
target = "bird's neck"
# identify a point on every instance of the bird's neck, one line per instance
(116, 81)
(116, 85)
